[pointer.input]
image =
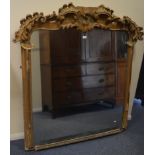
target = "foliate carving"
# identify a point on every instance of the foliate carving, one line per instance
(81, 18)
(28, 24)
(135, 31)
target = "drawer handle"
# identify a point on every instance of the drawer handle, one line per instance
(101, 80)
(101, 69)
(69, 97)
(100, 93)
(67, 71)
(68, 83)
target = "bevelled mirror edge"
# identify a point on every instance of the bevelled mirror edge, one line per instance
(60, 21)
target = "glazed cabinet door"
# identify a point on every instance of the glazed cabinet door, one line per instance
(99, 45)
(66, 47)
(121, 38)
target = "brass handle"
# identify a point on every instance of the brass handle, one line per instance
(100, 93)
(67, 71)
(69, 97)
(101, 69)
(68, 83)
(101, 80)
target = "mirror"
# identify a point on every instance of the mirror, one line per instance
(78, 82)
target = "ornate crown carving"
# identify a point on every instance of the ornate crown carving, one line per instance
(81, 18)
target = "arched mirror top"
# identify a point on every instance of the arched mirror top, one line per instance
(81, 18)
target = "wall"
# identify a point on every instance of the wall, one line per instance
(19, 9)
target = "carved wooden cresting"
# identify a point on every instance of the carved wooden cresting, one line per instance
(82, 18)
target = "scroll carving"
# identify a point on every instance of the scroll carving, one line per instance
(81, 18)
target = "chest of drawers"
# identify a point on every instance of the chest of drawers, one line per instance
(77, 68)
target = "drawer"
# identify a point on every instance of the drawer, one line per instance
(69, 71)
(84, 96)
(79, 83)
(93, 94)
(100, 68)
(67, 60)
(67, 98)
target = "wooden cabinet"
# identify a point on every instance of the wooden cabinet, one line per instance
(81, 68)
(121, 77)
(121, 38)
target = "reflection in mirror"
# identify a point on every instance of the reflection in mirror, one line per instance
(78, 83)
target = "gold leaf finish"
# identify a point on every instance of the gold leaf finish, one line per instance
(81, 18)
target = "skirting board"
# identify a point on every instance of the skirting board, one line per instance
(16, 136)
(37, 109)
(129, 117)
(20, 135)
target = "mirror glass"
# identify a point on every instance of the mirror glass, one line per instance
(78, 82)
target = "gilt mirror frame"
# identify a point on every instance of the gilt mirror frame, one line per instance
(83, 19)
